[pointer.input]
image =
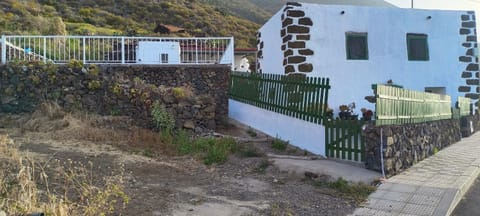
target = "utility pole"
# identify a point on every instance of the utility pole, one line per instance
(412, 3)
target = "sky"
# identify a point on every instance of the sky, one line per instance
(442, 4)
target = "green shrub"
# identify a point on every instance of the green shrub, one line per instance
(93, 70)
(94, 85)
(262, 167)
(278, 144)
(183, 142)
(218, 150)
(178, 93)
(251, 132)
(75, 64)
(250, 151)
(163, 120)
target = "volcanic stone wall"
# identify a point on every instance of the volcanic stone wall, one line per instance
(405, 145)
(195, 95)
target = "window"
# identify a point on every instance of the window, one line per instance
(417, 47)
(164, 58)
(357, 46)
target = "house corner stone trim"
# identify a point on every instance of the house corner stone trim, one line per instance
(295, 33)
(471, 62)
(260, 45)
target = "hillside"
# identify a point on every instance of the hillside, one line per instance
(260, 11)
(122, 17)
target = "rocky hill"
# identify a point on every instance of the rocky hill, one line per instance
(122, 17)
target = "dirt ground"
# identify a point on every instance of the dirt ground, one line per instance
(160, 183)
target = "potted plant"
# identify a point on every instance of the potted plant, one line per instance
(347, 112)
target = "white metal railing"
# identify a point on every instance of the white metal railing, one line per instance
(117, 50)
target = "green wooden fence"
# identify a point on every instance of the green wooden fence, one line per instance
(402, 106)
(296, 96)
(344, 139)
(464, 105)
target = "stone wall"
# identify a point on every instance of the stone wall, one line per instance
(471, 88)
(405, 145)
(195, 95)
(469, 125)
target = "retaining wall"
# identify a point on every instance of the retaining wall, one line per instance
(405, 145)
(195, 95)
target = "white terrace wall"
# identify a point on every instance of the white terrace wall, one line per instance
(300, 133)
(317, 48)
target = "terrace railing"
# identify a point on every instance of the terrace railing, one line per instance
(464, 105)
(299, 97)
(401, 106)
(117, 50)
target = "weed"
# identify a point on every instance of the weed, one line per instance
(278, 144)
(116, 89)
(183, 142)
(262, 167)
(250, 151)
(251, 132)
(435, 150)
(138, 81)
(148, 153)
(163, 120)
(178, 93)
(211, 150)
(114, 112)
(281, 209)
(94, 85)
(75, 64)
(353, 191)
(93, 70)
(219, 150)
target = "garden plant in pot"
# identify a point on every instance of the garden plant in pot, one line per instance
(347, 112)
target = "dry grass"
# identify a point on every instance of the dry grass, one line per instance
(26, 188)
(50, 119)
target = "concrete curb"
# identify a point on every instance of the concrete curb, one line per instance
(453, 197)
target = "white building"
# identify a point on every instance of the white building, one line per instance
(357, 46)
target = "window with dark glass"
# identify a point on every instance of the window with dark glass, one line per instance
(357, 46)
(164, 58)
(417, 47)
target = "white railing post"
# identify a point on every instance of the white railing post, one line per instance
(196, 50)
(44, 49)
(84, 54)
(232, 52)
(4, 50)
(123, 50)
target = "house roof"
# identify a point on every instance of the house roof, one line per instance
(377, 3)
(245, 51)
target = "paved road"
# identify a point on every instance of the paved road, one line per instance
(470, 204)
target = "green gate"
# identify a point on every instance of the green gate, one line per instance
(344, 139)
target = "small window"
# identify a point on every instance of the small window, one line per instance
(417, 47)
(164, 58)
(357, 46)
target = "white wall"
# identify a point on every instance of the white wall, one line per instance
(305, 135)
(387, 27)
(272, 57)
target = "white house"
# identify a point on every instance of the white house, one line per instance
(357, 46)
